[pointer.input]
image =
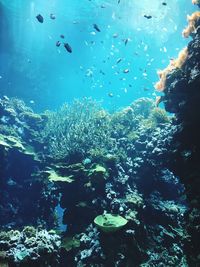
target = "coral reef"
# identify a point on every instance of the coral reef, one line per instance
(38, 247)
(75, 129)
(21, 190)
(192, 24)
(182, 97)
(173, 65)
(121, 174)
(127, 180)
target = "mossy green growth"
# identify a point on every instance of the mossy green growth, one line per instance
(11, 142)
(132, 136)
(69, 243)
(21, 255)
(110, 223)
(159, 116)
(98, 175)
(55, 177)
(29, 231)
(98, 171)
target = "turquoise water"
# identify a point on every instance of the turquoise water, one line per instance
(34, 69)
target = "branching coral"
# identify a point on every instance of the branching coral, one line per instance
(192, 20)
(76, 129)
(174, 64)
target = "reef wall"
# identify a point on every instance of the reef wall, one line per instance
(182, 97)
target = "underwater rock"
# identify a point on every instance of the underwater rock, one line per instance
(182, 97)
(20, 188)
(30, 245)
(98, 175)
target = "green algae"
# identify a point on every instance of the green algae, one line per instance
(53, 176)
(69, 243)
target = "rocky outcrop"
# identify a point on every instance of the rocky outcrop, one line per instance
(182, 97)
(21, 188)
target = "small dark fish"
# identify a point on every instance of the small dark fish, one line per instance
(96, 27)
(119, 60)
(115, 35)
(126, 71)
(62, 36)
(40, 18)
(103, 73)
(126, 41)
(164, 3)
(52, 16)
(58, 43)
(118, 1)
(147, 17)
(102, 6)
(68, 47)
(110, 94)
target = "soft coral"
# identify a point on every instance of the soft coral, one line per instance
(191, 24)
(196, 2)
(174, 64)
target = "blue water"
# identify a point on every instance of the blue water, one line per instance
(44, 76)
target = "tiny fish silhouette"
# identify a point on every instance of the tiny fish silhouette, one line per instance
(110, 94)
(126, 41)
(119, 60)
(52, 16)
(148, 17)
(96, 27)
(58, 43)
(126, 71)
(40, 18)
(68, 47)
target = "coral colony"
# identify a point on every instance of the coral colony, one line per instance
(105, 189)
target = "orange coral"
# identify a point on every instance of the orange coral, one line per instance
(174, 64)
(158, 100)
(191, 23)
